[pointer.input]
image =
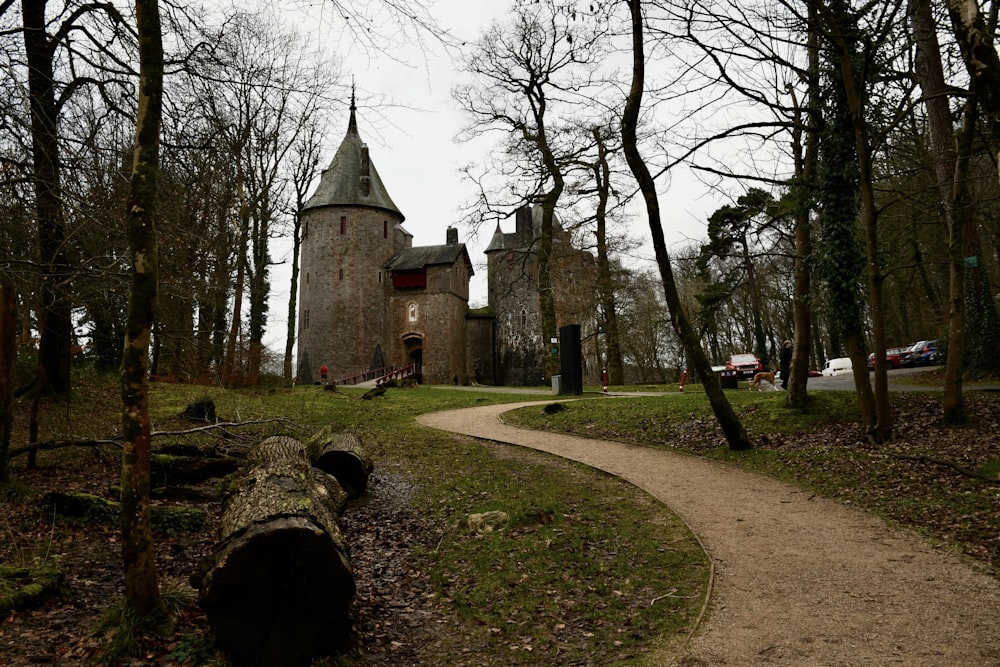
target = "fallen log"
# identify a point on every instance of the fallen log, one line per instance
(280, 584)
(343, 455)
(172, 470)
(88, 507)
(28, 587)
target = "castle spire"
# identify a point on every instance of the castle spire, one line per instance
(351, 179)
(352, 124)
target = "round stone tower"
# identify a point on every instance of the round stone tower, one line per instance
(350, 230)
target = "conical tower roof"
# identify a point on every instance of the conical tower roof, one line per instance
(351, 179)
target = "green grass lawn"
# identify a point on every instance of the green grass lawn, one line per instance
(590, 570)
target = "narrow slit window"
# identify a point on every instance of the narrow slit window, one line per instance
(343, 224)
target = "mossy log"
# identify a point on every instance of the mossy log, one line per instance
(88, 507)
(280, 583)
(170, 470)
(27, 587)
(343, 455)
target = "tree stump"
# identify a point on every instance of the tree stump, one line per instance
(280, 583)
(342, 455)
(202, 410)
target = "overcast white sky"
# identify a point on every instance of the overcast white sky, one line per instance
(413, 146)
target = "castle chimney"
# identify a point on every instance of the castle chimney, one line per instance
(365, 175)
(522, 225)
(452, 236)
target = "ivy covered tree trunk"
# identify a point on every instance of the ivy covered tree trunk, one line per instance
(141, 587)
(846, 192)
(730, 423)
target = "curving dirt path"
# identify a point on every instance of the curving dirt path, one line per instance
(799, 580)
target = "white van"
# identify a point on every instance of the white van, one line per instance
(838, 366)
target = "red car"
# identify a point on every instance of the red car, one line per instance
(745, 365)
(892, 357)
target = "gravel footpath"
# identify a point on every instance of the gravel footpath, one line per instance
(798, 580)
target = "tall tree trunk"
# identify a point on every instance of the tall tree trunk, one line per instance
(231, 365)
(875, 408)
(605, 284)
(733, 430)
(258, 293)
(55, 307)
(930, 76)
(8, 359)
(975, 35)
(805, 167)
(882, 428)
(756, 305)
(293, 294)
(141, 588)
(546, 291)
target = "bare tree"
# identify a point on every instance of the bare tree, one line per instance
(605, 283)
(951, 171)
(732, 428)
(258, 95)
(543, 58)
(90, 63)
(305, 156)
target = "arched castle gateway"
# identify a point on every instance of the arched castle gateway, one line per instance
(368, 299)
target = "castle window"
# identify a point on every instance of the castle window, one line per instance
(343, 224)
(385, 229)
(524, 319)
(305, 320)
(380, 277)
(341, 274)
(412, 313)
(307, 279)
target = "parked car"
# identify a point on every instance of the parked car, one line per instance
(923, 353)
(745, 365)
(892, 357)
(838, 366)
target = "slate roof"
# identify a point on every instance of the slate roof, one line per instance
(410, 259)
(341, 182)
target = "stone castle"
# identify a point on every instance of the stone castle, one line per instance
(369, 300)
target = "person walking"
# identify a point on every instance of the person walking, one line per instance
(785, 363)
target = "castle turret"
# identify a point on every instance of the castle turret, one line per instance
(350, 230)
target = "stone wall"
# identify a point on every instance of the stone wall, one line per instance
(432, 320)
(343, 292)
(479, 343)
(513, 295)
